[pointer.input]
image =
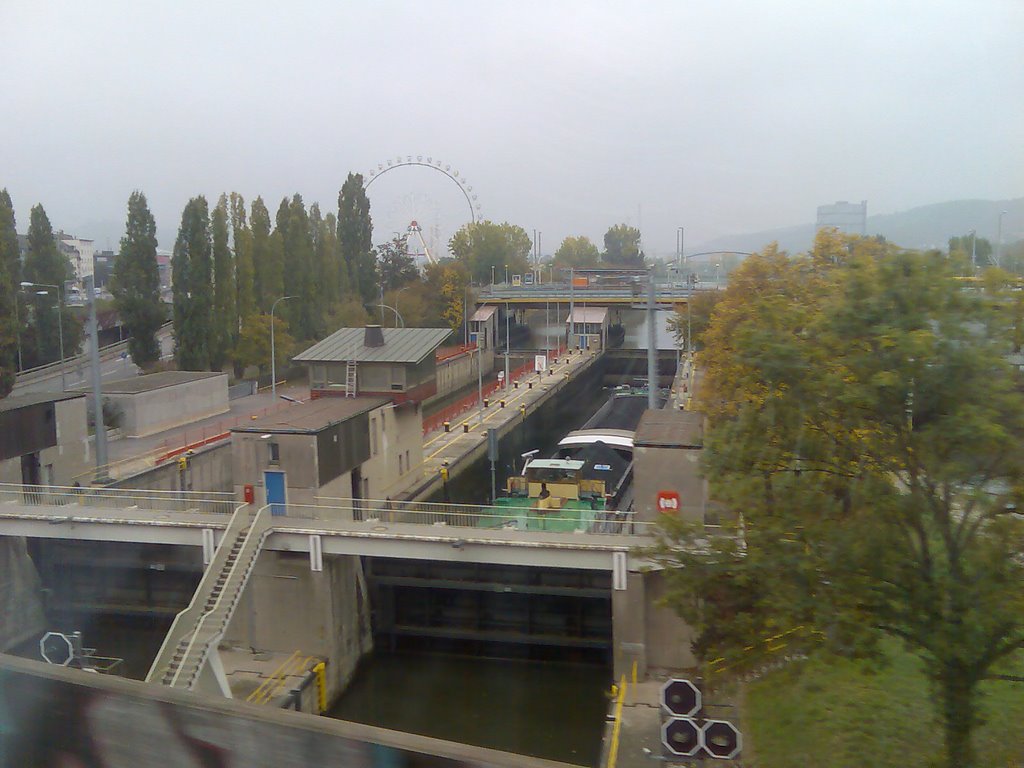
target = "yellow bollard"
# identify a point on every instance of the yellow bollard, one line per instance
(320, 670)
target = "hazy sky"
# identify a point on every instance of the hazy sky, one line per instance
(566, 117)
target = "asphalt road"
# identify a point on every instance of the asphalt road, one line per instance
(77, 373)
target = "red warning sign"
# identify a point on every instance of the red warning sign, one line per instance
(668, 502)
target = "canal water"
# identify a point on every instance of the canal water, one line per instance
(552, 710)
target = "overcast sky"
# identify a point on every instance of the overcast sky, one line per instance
(565, 117)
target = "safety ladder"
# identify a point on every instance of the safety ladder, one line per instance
(350, 379)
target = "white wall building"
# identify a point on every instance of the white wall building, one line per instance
(80, 251)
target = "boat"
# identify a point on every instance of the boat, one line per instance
(586, 485)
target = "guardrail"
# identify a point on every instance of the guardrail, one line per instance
(118, 498)
(475, 516)
(469, 402)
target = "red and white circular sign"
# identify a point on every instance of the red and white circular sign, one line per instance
(668, 502)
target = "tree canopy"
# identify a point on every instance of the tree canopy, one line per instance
(192, 287)
(484, 246)
(622, 247)
(135, 283)
(355, 228)
(864, 420)
(10, 277)
(577, 252)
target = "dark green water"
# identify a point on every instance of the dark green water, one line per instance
(552, 710)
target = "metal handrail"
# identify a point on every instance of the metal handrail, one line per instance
(219, 502)
(216, 603)
(605, 522)
(171, 637)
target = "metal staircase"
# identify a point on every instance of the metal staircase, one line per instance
(198, 628)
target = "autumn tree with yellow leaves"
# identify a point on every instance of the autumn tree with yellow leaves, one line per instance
(866, 427)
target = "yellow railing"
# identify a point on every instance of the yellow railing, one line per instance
(294, 665)
(613, 749)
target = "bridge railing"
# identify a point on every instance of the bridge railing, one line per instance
(480, 517)
(118, 498)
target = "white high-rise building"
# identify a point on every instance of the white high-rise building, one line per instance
(848, 218)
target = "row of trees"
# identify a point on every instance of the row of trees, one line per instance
(865, 421)
(31, 318)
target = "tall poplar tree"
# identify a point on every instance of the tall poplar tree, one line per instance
(192, 286)
(135, 282)
(298, 273)
(241, 239)
(46, 265)
(355, 230)
(10, 276)
(225, 321)
(259, 221)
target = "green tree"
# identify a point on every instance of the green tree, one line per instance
(865, 421)
(192, 287)
(323, 235)
(395, 266)
(967, 246)
(622, 247)
(355, 229)
(577, 252)
(225, 318)
(135, 283)
(254, 342)
(304, 318)
(46, 265)
(266, 264)
(486, 246)
(241, 241)
(10, 306)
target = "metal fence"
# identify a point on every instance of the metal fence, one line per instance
(118, 498)
(476, 516)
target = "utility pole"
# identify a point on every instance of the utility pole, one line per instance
(652, 371)
(101, 476)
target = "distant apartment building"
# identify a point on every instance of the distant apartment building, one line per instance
(80, 253)
(848, 218)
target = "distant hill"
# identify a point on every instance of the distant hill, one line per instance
(928, 226)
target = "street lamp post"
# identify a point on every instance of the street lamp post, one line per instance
(999, 241)
(60, 322)
(17, 330)
(506, 275)
(492, 278)
(398, 317)
(273, 351)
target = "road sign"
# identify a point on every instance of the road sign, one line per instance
(721, 739)
(540, 363)
(56, 648)
(528, 278)
(680, 697)
(668, 502)
(681, 736)
(517, 281)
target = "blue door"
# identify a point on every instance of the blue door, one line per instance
(274, 483)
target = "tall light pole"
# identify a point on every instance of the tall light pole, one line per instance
(680, 235)
(101, 477)
(273, 351)
(60, 322)
(999, 241)
(17, 329)
(492, 278)
(506, 275)
(974, 261)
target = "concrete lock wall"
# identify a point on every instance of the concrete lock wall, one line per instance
(21, 603)
(287, 607)
(647, 633)
(69, 459)
(456, 372)
(397, 463)
(674, 469)
(146, 413)
(53, 716)
(209, 469)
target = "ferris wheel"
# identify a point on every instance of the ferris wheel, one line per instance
(433, 164)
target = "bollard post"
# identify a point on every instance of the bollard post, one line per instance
(447, 426)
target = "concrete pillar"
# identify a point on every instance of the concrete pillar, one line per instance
(629, 608)
(21, 604)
